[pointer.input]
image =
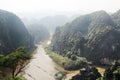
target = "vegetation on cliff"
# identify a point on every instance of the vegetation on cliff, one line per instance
(12, 64)
(94, 36)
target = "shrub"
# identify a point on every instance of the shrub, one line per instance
(60, 76)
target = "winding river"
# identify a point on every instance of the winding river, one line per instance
(41, 67)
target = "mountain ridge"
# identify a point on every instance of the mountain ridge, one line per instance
(83, 35)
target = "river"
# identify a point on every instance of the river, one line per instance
(41, 66)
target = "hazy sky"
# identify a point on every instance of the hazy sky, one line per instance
(83, 6)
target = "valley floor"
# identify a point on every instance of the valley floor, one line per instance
(42, 67)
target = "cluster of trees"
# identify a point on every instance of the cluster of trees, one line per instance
(91, 73)
(112, 73)
(75, 64)
(13, 63)
(69, 61)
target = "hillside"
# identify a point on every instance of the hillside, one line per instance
(94, 36)
(13, 33)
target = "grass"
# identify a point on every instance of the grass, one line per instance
(60, 60)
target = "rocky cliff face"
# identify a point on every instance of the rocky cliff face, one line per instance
(116, 18)
(13, 33)
(104, 46)
(95, 36)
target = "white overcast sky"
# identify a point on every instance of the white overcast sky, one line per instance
(84, 6)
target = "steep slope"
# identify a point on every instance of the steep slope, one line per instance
(80, 28)
(104, 47)
(39, 32)
(116, 17)
(93, 36)
(13, 33)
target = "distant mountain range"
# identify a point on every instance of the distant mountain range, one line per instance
(50, 22)
(38, 32)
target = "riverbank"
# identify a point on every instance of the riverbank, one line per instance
(58, 59)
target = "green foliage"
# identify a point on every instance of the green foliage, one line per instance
(87, 74)
(69, 53)
(16, 78)
(68, 63)
(57, 58)
(112, 73)
(60, 76)
(16, 61)
(76, 64)
(73, 57)
(101, 78)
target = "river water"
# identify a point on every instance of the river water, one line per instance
(41, 67)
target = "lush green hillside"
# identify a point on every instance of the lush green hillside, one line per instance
(39, 32)
(94, 36)
(13, 33)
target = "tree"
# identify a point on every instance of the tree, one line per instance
(16, 61)
(90, 73)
